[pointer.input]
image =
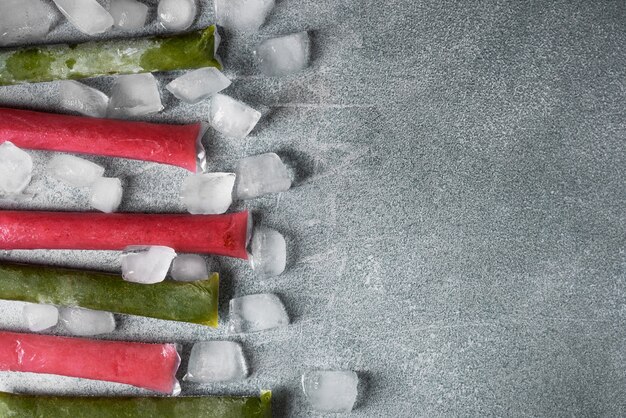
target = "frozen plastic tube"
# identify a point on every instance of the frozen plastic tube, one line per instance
(148, 366)
(34, 64)
(177, 145)
(208, 234)
(33, 406)
(194, 302)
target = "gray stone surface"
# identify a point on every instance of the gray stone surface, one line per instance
(457, 232)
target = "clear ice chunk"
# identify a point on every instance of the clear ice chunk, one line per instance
(216, 361)
(268, 252)
(189, 268)
(82, 99)
(260, 175)
(231, 117)
(40, 317)
(177, 14)
(128, 14)
(284, 55)
(135, 95)
(106, 194)
(330, 390)
(242, 15)
(255, 313)
(84, 322)
(23, 21)
(198, 85)
(87, 15)
(208, 193)
(146, 264)
(74, 171)
(16, 169)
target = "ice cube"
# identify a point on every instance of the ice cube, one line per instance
(242, 15)
(284, 55)
(16, 168)
(208, 193)
(40, 317)
(23, 21)
(254, 313)
(128, 14)
(231, 117)
(177, 14)
(74, 171)
(87, 15)
(261, 174)
(82, 99)
(106, 194)
(84, 322)
(189, 268)
(198, 85)
(135, 95)
(268, 252)
(146, 264)
(216, 361)
(330, 390)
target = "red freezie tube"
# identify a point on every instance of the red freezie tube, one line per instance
(177, 145)
(207, 234)
(149, 366)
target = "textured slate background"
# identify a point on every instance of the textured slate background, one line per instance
(457, 229)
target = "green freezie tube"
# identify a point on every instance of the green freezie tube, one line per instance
(194, 302)
(39, 63)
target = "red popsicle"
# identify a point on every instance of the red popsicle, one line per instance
(177, 145)
(208, 234)
(149, 366)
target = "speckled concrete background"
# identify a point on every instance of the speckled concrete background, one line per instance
(457, 232)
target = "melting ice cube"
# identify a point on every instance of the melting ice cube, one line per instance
(261, 174)
(146, 264)
(198, 85)
(106, 194)
(16, 168)
(83, 99)
(128, 14)
(216, 361)
(231, 117)
(254, 313)
(209, 193)
(74, 171)
(40, 317)
(189, 268)
(87, 15)
(23, 21)
(268, 252)
(284, 55)
(135, 95)
(177, 14)
(242, 15)
(79, 321)
(330, 391)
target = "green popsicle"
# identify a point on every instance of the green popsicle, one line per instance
(120, 56)
(194, 302)
(33, 406)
